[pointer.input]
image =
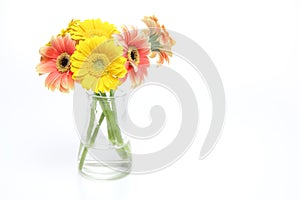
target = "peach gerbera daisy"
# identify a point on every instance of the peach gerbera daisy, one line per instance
(161, 41)
(55, 60)
(136, 49)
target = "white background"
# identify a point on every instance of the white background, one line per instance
(255, 46)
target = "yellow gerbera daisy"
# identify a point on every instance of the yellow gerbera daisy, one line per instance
(72, 23)
(98, 64)
(90, 28)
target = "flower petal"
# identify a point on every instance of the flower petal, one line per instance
(64, 83)
(46, 67)
(49, 52)
(51, 80)
(69, 44)
(58, 44)
(70, 81)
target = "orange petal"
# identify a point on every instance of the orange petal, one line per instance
(69, 44)
(67, 81)
(46, 67)
(63, 90)
(58, 44)
(70, 81)
(51, 80)
(64, 81)
(56, 83)
(49, 52)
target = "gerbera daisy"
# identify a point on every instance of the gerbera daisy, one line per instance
(90, 28)
(72, 23)
(55, 60)
(136, 49)
(161, 41)
(98, 64)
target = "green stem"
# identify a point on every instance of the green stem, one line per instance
(94, 136)
(109, 111)
(91, 141)
(114, 111)
(110, 126)
(80, 149)
(113, 105)
(106, 108)
(91, 124)
(125, 150)
(114, 125)
(92, 118)
(82, 158)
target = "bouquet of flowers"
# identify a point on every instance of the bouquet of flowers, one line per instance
(100, 57)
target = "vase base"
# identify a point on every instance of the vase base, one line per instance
(109, 170)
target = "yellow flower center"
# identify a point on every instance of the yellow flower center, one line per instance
(63, 62)
(99, 62)
(92, 33)
(133, 56)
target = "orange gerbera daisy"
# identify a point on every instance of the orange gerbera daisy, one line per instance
(161, 41)
(55, 60)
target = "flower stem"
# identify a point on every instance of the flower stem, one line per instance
(82, 158)
(109, 111)
(114, 113)
(111, 128)
(122, 149)
(91, 123)
(113, 105)
(91, 141)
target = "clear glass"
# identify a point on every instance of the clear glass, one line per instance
(104, 151)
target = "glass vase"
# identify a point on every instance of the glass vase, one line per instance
(104, 151)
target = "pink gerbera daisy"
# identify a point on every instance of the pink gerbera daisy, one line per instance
(55, 60)
(136, 49)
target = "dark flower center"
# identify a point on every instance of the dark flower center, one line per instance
(133, 55)
(63, 62)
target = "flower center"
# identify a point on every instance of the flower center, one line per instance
(133, 55)
(63, 62)
(99, 62)
(92, 33)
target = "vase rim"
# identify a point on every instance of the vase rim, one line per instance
(118, 94)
